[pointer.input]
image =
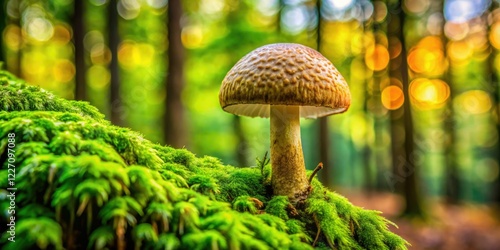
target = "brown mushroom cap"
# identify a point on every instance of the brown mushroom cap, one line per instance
(284, 74)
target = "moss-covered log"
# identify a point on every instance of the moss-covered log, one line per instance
(84, 183)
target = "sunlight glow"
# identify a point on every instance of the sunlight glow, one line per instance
(427, 57)
(429, 94)
(294, 19)
(39, 29)
(464, 10)
(341, 5)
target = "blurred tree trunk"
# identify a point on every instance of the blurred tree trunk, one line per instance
(452, 180)
(323, 135)
(405, 170)
(175, 126)
(374, 105)
(3, 23)
(114, 40)
(242, 147)
(78, 26)
(18, 69)
(495, 91)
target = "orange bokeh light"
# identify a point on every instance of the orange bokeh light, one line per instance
(459, 50)
(392, 97)
(425, 61)
(427, 57)
(63, 70)
(377, 57)
(429, 93)
(495, 35)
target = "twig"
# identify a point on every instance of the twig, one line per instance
(263, 163)
(318, 168)
(318, 232)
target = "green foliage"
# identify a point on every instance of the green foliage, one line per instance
(85, 183)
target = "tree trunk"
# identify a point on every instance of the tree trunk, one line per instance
(452, 180)
(242, 147)
(323, 135)
(495, 91)
(78, 26)
(405, 170)
(3, 23)
(175, 132)
(373, 96)
(18, 70)
(114, 40)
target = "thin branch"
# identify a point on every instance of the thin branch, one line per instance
(318, 232)
(318, 168)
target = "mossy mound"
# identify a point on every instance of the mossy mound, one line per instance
(84, 183)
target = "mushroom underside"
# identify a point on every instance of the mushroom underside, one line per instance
(263, 110)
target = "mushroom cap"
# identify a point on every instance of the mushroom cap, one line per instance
(284, 74)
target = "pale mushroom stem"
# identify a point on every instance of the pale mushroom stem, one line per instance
(289, 172)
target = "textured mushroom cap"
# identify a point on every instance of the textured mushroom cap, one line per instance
(284, 74)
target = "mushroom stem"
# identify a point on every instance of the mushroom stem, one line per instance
(289, 172)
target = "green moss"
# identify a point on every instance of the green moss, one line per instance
(84, 183)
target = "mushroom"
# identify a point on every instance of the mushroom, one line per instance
(285, 81)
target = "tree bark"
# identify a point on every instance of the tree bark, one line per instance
(242, 147)
(175, 132)
(3, 23)
(323, 135)
(495, 91)
(452, 179)
(78, 26)
(114, 40)
(405, 169)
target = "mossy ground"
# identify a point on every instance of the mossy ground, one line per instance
(84, 183)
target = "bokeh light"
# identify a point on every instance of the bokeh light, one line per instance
(340, 5)
(464, 10)
(487, 169)
(62, 34)
(488, 136)
(380, 11)
(416, 7)
(132, 55)
(12, 37)
(494, 35)
(427, 57)
(456, 30)
(63, 70)
(459, 50)
(294, 19)
(473, 102)
(392, 97)
(192, 36)
(377, 57)
(129, 9)
(98, 77)
(39, 29)
(429, 93)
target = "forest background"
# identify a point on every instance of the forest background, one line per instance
(423, 128)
